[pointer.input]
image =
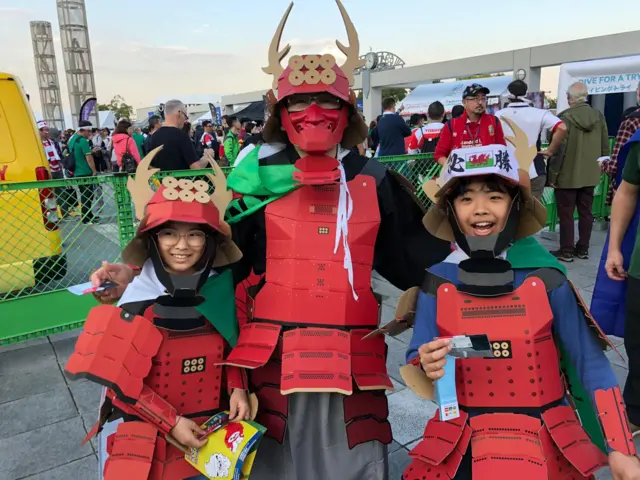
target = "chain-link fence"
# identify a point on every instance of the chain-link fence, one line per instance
(53, 234)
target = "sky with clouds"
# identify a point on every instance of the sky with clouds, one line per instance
(150, 49)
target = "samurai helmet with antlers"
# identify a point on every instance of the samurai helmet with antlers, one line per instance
(317, 79)
(527, 215)
(180, 200)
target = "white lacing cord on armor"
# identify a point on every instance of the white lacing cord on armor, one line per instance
(345, 209)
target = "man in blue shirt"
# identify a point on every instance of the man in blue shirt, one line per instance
(392, 130)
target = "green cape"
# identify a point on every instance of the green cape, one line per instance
(219, 306)
(528, 253)
(259, 184)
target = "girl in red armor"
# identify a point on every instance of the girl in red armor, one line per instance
(159, 351)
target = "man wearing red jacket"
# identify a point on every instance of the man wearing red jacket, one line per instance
(474, 127)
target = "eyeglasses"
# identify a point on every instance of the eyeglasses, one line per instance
(301, 101)
(477, 99)
(169, 237)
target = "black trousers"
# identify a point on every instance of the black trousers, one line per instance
(632, 345)
(86, 199)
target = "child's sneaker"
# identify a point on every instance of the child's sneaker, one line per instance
(563, 255)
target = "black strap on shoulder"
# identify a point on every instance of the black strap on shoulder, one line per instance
(551, 277)
(432, 282)
(374, 169)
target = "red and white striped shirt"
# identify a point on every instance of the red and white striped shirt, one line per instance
(55, 165)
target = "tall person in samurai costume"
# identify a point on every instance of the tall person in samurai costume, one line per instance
(316, 220)
(490, 324)
(159, 351)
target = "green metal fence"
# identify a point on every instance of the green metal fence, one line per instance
(44, 248)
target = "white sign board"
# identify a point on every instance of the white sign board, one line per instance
(611, 75)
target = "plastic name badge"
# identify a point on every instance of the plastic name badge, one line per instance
(231, 450)
(445, 392)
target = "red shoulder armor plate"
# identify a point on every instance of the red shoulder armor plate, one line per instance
(613, 417)
(115, 350)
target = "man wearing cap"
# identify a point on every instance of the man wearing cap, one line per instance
(85, 167)
(475, 127)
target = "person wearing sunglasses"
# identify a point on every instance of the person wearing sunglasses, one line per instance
(179, 152)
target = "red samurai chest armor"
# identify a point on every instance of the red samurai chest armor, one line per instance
(513, 415)
(306, 328)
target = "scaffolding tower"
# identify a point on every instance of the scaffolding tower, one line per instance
(44, 56)
(74, 35)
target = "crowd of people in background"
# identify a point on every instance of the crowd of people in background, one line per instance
(574, 137)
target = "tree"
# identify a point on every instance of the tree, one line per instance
(397, 93)
(118, 106)
(473, 77)
(553, 103)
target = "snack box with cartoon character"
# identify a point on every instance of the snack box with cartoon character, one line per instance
(231, 449)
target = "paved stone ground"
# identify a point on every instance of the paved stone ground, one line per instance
(44, 416)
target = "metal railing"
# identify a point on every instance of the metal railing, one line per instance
(44, 248)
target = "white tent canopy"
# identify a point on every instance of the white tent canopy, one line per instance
(611, 75)
(107, 119)
(449, 93)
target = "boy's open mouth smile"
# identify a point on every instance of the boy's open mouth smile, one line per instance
(482, 228)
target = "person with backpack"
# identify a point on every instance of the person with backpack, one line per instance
(125, 148)
(475, 127)
(425, 138)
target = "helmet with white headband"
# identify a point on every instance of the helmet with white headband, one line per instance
(313, 106)
(526, 216)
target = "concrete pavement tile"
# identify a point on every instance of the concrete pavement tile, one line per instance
(387, 313)
(604, 474)
(81, 469)
(86, 396)
(36, 411)
(394, 344)
(615, 359)
(398, 387)
(621, 374)
(395, 446)
(617, 341)
(89, 420)
(28, 371)
(405, 337)
(64, 348)
(579, 280)
(586, 294)
(42, 449)
(395, 360)
(409, 415)
(398, 462)
(65, 335)
(29, 343)
(413, 445)
(381, 286)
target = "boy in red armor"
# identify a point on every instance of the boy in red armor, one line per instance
(159, 352)
(515, 416)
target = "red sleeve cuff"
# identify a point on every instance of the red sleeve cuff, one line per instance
(555, 127)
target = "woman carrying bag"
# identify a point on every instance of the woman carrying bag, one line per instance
(125, 148)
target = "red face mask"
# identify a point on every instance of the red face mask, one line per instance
(315, 130)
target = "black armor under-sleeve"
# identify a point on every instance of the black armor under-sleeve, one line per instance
(250, 236)
(404, 248)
